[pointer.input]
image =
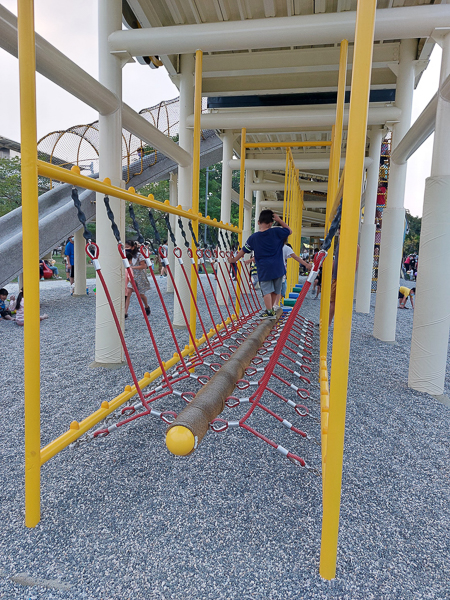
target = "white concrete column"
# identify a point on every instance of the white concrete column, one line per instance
(173, 198)
(429, 346)
(79, 261)
(367, 239)
(187, 68)
(108, 349)
(394, 214)
(225, 202)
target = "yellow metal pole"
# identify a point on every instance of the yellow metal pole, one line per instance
(241, 211)
(356, 142)
(286, 185)
(196, 177)
(30, 229)
(333, 182)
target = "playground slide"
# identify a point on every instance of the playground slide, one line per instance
(58, 217)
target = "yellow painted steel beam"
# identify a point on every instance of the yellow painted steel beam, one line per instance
(286, 144)
(196, 179)
(104, 187)
(356, 142)
(241, 214)
(77, 429)
(30, 227)
(335, 188)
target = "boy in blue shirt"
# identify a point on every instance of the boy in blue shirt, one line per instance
(267, 245)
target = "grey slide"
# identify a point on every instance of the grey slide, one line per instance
(58, 217)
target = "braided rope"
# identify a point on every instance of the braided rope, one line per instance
(193, 234)
(183, 233)
(135, 224)
(110, 214)
(155, 229)
(80, 214)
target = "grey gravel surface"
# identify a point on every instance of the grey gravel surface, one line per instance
(121, 518)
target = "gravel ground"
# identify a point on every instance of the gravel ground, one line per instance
(121, 518)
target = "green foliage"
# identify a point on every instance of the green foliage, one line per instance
(11, 185)
(412, 239)
(160, 191)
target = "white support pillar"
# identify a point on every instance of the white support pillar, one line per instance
(79, 264)
(225, 202)
(259, 199)
(367, 240)
(108, 349)
(394, 214)
(173, 198)
(429, 346)
(187, 68)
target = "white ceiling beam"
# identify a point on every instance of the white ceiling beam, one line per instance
(292, 119)
(313, 186)
(326, 28)
(321, 58)
(280, 164)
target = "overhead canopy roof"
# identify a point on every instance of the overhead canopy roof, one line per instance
(259, 78)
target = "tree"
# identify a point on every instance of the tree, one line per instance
(160, 191)
(11, 185)
(412, 238)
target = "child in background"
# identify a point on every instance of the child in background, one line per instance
(267, 244)
(5, 306)
(20, 311)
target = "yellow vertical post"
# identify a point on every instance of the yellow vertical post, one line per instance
(333, 182)
(286, 184)
(356, 142)
(241, 208)
(196, 175)
(30, 236)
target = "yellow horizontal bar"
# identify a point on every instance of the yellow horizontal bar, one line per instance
(78, 429)
(286, 144)
(104, 187)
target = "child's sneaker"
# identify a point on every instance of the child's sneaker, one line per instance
(268, 314)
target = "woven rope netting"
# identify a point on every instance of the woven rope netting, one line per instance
(79, 145)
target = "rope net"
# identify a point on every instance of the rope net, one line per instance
(227, 309)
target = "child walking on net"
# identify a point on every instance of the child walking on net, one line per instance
(267, 245)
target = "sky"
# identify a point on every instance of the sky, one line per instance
(72, 28)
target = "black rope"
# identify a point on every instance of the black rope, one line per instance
(81, 216)
(224, 242)
(183, 233)
(193, 234)
(155, 229)
(335, 224)
(170, 230)
(110, 214)
(135, 224)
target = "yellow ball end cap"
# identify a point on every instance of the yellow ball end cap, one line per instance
(180, 440)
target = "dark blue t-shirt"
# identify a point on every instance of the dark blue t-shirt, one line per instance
(69, 251)
(268, 248)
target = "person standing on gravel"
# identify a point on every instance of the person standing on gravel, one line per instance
(69, 252)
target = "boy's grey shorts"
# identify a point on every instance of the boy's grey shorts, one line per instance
(271, 287)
